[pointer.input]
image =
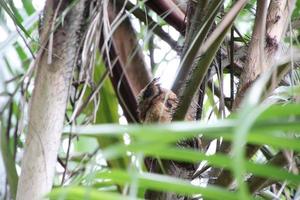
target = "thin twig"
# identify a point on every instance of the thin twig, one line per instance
(67, 155)
(153, 26)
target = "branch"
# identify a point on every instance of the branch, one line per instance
(208, 51)
(192, 51)
(258, 183)
(216, 91)
(121, 85)
(128, 60)
(261, 58)
(254, 62)
(169, 11)
(153, 26)
(128, 50)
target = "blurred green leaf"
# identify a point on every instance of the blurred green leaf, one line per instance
(28, 6)
(9, 162)
(108, 113)
(80, 193)
(12, 12)
(166, 183)
(21, 53)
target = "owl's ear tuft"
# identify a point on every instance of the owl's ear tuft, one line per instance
(153, 82)
(148, 91)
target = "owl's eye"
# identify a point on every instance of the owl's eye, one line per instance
(148, 92)
(169, 104)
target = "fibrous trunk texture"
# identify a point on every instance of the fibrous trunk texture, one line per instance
(262, 59)
(264, 52)
(171, 13)
(49, 99)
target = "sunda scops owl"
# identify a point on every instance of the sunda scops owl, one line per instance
(156, 104)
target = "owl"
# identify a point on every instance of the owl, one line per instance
(156, 104)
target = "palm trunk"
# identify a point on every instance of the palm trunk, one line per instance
(270, 26)
(49, 100)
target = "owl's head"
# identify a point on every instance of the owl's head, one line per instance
(156, 102)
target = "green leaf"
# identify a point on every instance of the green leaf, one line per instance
(14, 16)
(208, 52)
(79, 193)
(166, 183)
(108, 113)
(193, 156)
(9, 162)
(21, 53)
(28, 6)
(190, 55)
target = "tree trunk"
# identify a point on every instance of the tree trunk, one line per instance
(129, 51)
(49, 99)
(264, 51)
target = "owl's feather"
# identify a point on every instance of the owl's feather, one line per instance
(156, 104)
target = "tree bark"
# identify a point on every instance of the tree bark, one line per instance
(129, 51)
(278, 17)
(129, 73)
(263, 54)
(170, 12)
(49, 99)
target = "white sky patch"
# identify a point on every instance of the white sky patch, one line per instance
(65, 145)
(167, 73)
(172, 31)
(168, 62)
(3, 34)
(133, 1)
(10, 23)
(16, 63)
(18, 4)
(122, 120)
(126, 138)
(38, 4)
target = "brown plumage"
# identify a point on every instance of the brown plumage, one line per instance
(156, 104)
